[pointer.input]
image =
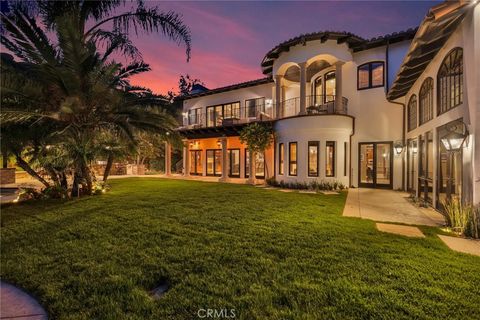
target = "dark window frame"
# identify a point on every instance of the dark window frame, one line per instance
(313, 144)
(290, 162)
(334, 156)
(256, 106)
(247, 172)
(410, 107)
(215, 174)
(194, 152)
(230, 174)
(222, 105)
(281, 158)
(444, 101)
(425, 101)
(198, 112)
(370, 86)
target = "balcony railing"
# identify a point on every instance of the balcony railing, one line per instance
(318, 104)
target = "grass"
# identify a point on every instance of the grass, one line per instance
(264, 253)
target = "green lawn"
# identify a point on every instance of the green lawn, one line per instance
(264, 253)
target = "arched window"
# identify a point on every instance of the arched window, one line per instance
(425, 101)
(450, 81)
(412, 113)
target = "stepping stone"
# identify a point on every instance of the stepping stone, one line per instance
(17, 304)
(401, 230)
(329, 192)
(470, 246)
(285, 190)
(307, 191)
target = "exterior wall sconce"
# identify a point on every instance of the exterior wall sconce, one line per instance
(219, 143)
(398, 146)
(455, 138)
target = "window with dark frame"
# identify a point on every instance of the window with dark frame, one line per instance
(194, 116)
(234, 161)
(425, 101)
(196, 165)
(292, 158)
(450, 81)
(252, 106)
(313, 147)
(330, 159)
(345, 148)
(329, 87)
(412, 113)
(247, 163)
(281, 154)
(216, 114)
(214, 162)
(371, 75)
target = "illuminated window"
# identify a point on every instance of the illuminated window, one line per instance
(370, 75)
(330, 86)
(253, 106)
(234, 158)
(292, 158)
(281, 150)
(330, 159)
(450, 81)
(412, 113)
(313, 158)
(196, 166)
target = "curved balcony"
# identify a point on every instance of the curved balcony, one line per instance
(316, 104)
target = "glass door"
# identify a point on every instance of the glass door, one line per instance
(375, 164)
(196, 165)
(214, 162)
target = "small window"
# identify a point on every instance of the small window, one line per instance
(313, 158)
(370, 75)
(280, 158)
(330, 159)
(292, 158)
(412, 113)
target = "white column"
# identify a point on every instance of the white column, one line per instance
(278, 96)
(303, 87)
(186, 167)
(168, 158)
(338, 88)
(224, 176)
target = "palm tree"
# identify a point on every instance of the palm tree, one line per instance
(72, 86)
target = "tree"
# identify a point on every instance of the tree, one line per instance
(74, 89)
(258, 137)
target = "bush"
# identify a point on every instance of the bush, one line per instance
(313, 185)
(462, 218)
(55, 192)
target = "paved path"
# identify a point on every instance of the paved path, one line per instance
(388, 206)
(17, 304)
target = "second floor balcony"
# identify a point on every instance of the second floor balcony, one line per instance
(234, 114)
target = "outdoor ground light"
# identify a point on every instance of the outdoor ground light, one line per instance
(454, 140)
(398, 147)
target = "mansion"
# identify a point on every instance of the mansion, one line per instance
(401, 111)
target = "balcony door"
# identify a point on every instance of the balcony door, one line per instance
(375, 164)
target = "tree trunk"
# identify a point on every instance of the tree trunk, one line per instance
(108, 167)
(25, 166)
(63, 180)
(76, 182)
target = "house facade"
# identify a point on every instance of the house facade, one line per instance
(366, 113)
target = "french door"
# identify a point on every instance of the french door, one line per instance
(375, 164)
(214, 162)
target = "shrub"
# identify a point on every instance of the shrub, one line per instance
(462, 218)
(313, 185)
(55, 192)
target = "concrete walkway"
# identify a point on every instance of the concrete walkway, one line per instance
(17, 304)
(388, 206)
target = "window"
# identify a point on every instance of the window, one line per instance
(330, 159)
(194, 116)
(345, 147)
(216, 114)
(214, 162)
(450, 81)
(313, 158)
(259, 165)
(370, 75)
(234, 158)
(292, 158)
(330, 86)
(247, 163)
(281, 152)
(425, 98)
(252, 106)
(318, 90)
(412, 113)
(196, 166)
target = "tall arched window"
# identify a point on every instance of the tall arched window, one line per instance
(450, 81)
(425, 101)
(412, 113)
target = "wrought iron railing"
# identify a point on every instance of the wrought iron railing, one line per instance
(314, 105)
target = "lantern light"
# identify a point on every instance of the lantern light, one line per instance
(398, 147)
(454, 140)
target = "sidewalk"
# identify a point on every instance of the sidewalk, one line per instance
(17, 304)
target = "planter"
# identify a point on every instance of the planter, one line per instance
(7, 175)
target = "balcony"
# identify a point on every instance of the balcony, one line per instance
(218, 117)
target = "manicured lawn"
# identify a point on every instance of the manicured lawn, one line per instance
(264, 253)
